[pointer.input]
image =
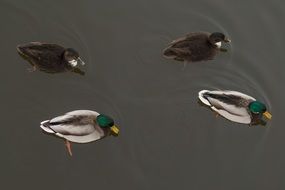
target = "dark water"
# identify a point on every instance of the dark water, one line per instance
(167, 140)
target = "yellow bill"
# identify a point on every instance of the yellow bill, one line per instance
(267, 115)
(115, 130)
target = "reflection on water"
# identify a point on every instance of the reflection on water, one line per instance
(167, 140)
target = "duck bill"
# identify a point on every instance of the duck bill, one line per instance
(80, 61)
(115, 130)
(227, 40)
(267, 115)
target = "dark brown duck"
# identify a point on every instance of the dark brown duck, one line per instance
(196, 46)
(51, 58)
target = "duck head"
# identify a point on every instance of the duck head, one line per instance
(72, 57)
(217, 38)
(105, 122)
(258, 108)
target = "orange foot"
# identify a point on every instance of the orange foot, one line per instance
(68, 146)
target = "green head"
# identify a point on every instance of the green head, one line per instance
(257, 107)
(105, 121)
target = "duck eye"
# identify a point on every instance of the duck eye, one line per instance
(111, 124)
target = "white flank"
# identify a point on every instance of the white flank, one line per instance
(73, 129)
(95, 135)
(239, 119)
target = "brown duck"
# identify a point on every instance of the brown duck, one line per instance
(196, 46)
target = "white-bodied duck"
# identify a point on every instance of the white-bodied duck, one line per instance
(80, 126)
(234, 106)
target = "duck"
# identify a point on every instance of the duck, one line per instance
(196, 46)
(235, 106)
(50, 58)
(80, 126)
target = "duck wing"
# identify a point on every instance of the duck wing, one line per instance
(38, 49)
(177, 53)
(190, 47)
(45, 56)
(193, 36)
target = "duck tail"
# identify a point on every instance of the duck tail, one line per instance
(169, 53)
(203, 97)
(20, 49)
(45, 126)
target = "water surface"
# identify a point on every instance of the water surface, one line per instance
(167, 140)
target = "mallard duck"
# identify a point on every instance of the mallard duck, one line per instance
(235, 106)
(80, 126)
(196, 46)
(51, 58)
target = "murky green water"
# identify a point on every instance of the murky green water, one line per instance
(167, 140)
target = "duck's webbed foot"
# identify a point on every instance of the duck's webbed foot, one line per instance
(68, 146)
(216, 114)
